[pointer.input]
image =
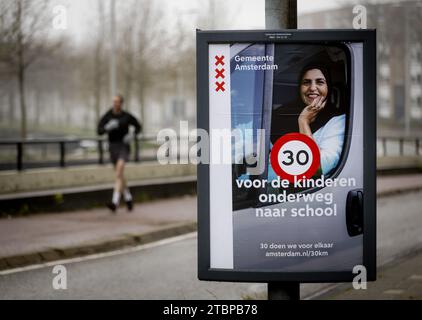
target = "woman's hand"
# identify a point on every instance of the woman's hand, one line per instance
(309, 114)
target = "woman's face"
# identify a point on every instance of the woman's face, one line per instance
(313, 86)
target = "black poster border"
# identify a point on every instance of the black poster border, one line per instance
(368, 38)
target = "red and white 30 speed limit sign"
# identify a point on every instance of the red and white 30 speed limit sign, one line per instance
(295, 154)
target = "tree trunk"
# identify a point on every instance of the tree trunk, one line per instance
(11, 104)
(98, 73)
(97, 83)
(21, 83)
(21, 72)
(38, 106)
(128, 80)
(141, 96)
(128, 61)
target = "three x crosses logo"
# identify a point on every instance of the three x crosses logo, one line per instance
(219, 73)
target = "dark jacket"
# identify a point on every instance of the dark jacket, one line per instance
(125, 120)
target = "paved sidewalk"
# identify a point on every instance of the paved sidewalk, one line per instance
(46, 237)
(401, 281)
(387, 185)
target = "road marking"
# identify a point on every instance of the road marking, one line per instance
(142, 247)
(321, 292)
(394, 291)
(416, 277)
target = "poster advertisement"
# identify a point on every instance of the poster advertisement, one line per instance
(291, 198)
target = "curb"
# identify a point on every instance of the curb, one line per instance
(397, 191)
(89, 248)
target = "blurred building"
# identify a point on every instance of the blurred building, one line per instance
(399, 56)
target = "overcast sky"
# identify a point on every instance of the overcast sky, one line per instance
(247, 14)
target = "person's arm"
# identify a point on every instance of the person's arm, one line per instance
(100, 128)
(128, 138)
(107, 124)
(134, 122)
(309, 114)
(330, 143)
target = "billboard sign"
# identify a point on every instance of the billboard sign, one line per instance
(289, 190)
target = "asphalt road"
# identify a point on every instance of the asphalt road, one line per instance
(168, 270)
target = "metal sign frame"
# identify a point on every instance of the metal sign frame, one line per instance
(368, 39)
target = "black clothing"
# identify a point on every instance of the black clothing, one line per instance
(119, 150)
(125, 120)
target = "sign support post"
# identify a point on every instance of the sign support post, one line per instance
(282, 14)
(283, 291)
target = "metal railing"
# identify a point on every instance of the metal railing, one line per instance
(61, 159)
(399, 146)
(386, 146)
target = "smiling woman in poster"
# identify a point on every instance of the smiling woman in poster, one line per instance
(314, 114)
(318, 118)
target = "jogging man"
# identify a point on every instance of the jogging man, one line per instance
(116, 123)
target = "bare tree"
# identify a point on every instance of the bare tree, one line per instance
(150, 41)
(127, 52)
(212, 17)
(99, 60)
(24, 38)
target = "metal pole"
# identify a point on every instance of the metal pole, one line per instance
(113, 48)
(19, 161)
(282, 14)
(283, 291)
(62, 154)
(100, 152)
(136, 149)
(401, 141)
